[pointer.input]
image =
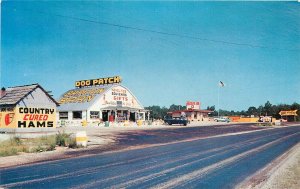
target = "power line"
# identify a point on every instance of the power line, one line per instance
(159, 32)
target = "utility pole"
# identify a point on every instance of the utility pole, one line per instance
(218, 101)
(221, 84)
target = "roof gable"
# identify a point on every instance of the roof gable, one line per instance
(13, 95)
(80, 98)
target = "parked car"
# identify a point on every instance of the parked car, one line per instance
(175, 120)
(222, 119)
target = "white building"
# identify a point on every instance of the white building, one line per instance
(94, 104)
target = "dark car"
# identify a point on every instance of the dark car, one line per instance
(175, 120)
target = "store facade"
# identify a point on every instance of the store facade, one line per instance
(193, 113)
(99, 100)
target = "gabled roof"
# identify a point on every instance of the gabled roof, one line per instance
(69, 106)
(13, 95)
(85, 105)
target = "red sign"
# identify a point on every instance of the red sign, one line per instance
(192, 105)
(9, 118)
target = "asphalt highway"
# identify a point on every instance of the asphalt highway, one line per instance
(217, 162)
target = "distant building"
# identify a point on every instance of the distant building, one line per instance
(192, 112)
(27, 106)
(192, 115)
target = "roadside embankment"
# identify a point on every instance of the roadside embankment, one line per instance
(283, 172)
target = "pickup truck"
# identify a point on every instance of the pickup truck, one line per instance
(175, 120)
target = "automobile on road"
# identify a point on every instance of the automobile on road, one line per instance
(175, 120)
(222, 119)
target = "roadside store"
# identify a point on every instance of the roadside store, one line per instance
(193, 113)
(27, 107)
(98, 101)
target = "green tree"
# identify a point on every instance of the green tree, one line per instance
(212, 108)
(252, 111)
(268, 108)
(174, 107)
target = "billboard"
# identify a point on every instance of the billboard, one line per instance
(24, 117)
(192, 105)
(288, 113)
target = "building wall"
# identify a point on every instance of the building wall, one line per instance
(108, 99)
(243, 119)
(37, 98)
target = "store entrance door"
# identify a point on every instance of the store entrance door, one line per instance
(105, 116)
(132, 116)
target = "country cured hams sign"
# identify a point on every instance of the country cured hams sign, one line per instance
(24, 117)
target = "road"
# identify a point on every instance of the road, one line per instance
(217, 162)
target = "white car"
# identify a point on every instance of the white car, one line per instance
(222, 119)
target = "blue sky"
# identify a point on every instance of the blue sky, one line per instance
(45, 43)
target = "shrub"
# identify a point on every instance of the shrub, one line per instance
(62, 139)
(72, 143)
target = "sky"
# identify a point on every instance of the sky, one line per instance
(166, 52)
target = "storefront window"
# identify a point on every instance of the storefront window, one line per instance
(77, 115)
(94, 114)
(63, 115)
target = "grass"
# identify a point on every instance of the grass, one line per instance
(265, 124)
(12, 147)
(16, 145)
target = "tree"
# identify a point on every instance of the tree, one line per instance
(268, 108)
(212, 108)
(174, 107)
(252, 111)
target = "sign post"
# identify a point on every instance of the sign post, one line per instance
(289, 113)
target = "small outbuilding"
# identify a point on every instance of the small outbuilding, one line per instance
(25, 107)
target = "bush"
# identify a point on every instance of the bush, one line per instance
(51, 147)
(72, 143)
(63, 139)
(16, 140)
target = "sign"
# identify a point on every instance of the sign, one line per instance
(101, 81)
(119, 103)
(7, 119)
(80, 95)
(288, 113)
(25, 117)
(192, 105)
(119, 96)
